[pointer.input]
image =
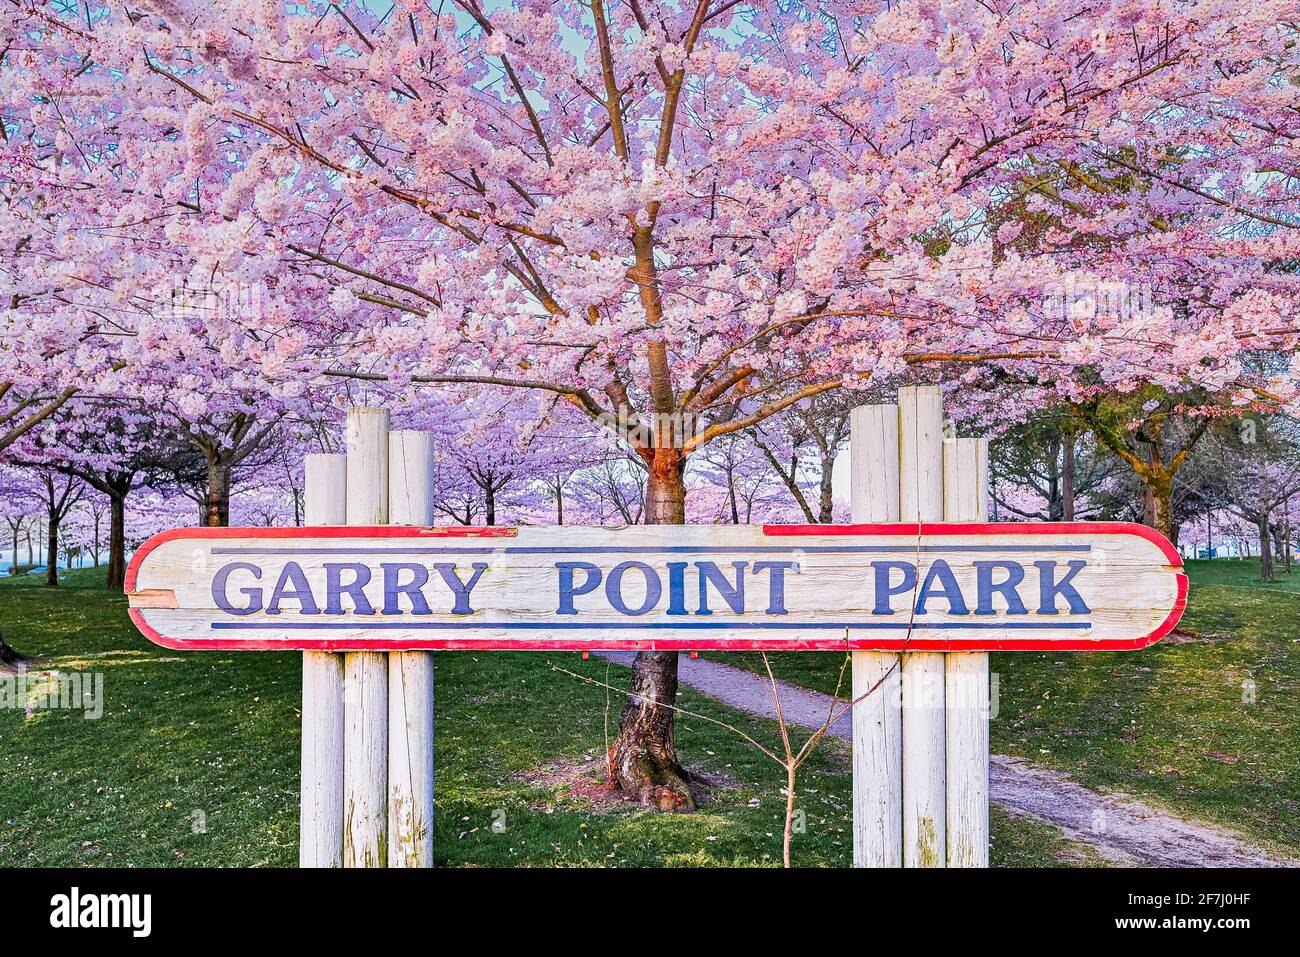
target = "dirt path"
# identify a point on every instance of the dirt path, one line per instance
(1123, 831)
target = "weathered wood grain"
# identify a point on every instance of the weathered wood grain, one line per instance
(153, 598)
(365, 759)
(410, 758)
(411, 494)
(920, 493)
(320, 815)
(365, 675)
(1127, 583)
(410, 674)
(878, 717)
(367, 482)
(966, 678)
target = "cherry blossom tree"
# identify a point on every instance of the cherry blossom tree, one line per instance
(1258, 462)
(734, 485)
(802, 444)
(611, 492)
(264, 504)
(113, 448)
(58, 494)
(151, 511)
(681, 218)
(19, 504)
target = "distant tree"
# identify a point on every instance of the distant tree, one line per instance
(741, 478)
(613, 490)
(802, 444)
(226, 443)
(1258, 459)
(19, 500)
(59, 493)
(1153, 431)
(114, 448)
(95, 510)
(1050, 457)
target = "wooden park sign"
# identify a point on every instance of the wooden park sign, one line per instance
(920, 587)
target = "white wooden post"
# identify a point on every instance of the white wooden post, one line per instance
(410, 674)
(320, 816)
(920, 492)
(877, 719)
(965, 499)
(365, 674)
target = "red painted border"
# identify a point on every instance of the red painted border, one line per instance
(934, 529)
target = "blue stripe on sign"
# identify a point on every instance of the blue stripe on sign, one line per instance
(650, 549)
(667, 625)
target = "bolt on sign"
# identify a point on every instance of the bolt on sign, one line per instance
(926, 587)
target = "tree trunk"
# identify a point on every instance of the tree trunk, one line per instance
(8, 655)
(217, 511)
(1160, 505)
(116, 542)
(13, 569)
(643, 757)
(1265, 549)
(1067, 478)
(559, 503)
(665, 494)
(1053, 477)
(491, 499)
(1286, 537)
(826, 508)
(52, 548)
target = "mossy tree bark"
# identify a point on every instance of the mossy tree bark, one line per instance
(1154, 456)
(1265, 547)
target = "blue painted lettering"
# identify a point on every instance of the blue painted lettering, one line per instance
(252, 593)
(885, 591)
(570, 591)
(985, 587)
(733, 595)
(293, 575)
(1049, 588)
(394, 587)
(614, 588)
(459, 588)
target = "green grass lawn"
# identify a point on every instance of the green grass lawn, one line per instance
(1205, 723)
(1242, 573)
(209, 733)
(211, 739)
